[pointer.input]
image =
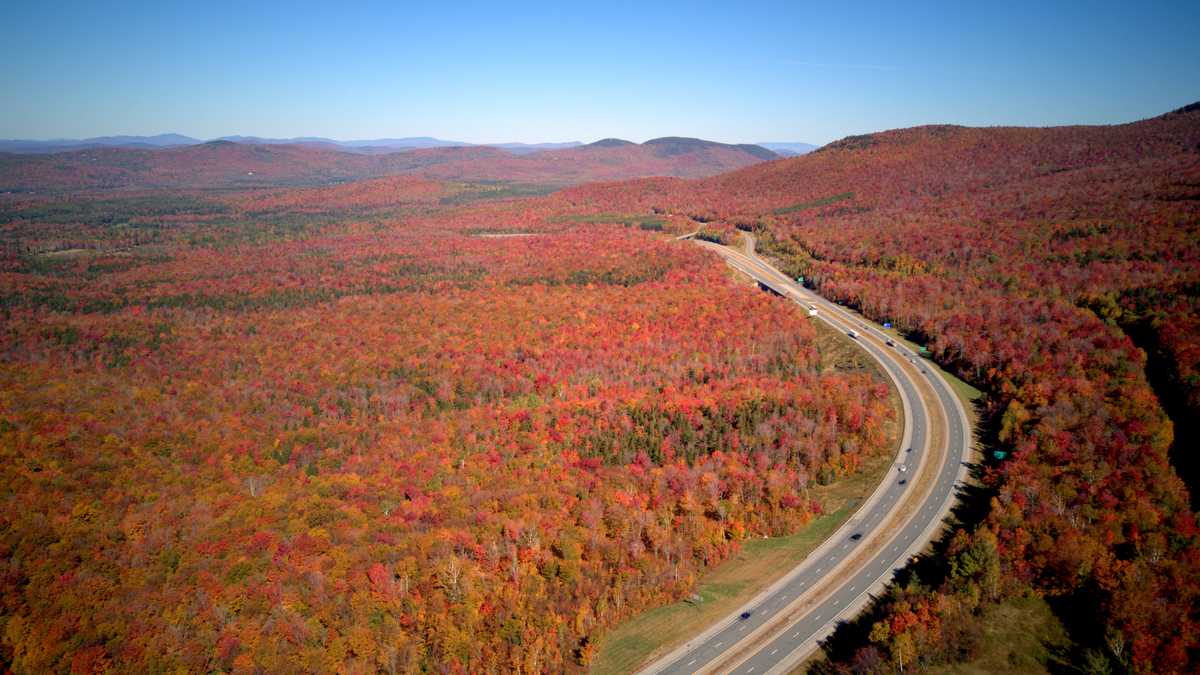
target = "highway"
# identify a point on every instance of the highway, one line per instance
(782, 626)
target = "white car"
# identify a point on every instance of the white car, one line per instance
(903, 468)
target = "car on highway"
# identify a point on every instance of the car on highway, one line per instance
(805, 627)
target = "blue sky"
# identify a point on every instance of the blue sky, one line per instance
(556, 71)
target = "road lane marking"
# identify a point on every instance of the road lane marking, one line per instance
(842, 321)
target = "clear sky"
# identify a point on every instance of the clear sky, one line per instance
(499, 71)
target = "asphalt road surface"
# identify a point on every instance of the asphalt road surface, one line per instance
(784, 624)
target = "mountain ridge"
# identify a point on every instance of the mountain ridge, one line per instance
(367, 146)
(788, 148)
(229, 163)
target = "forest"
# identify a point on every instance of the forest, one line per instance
(359, 428)
(1057, 270)
(425, 423)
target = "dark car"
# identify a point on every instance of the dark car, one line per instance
(904, 481)
(856, 536)
(744, 616)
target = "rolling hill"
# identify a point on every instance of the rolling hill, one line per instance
(167, 140)
(225, 163)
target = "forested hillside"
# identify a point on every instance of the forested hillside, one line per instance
(1029, 261)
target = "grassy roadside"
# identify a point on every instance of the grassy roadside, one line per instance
(761, 561)
(1021, 635)
(759, 564)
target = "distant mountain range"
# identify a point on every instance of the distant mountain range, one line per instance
(67, 144)
(159, 161)
(789, 149)
(370, 146)
(393, 144)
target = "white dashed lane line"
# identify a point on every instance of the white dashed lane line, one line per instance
(892, 496)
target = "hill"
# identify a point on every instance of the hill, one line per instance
(1058, 270)
(211, 164)
(64, 145)
(607, 160)
(611, 143)
(229, 164)
(671, 146)
(165, 140)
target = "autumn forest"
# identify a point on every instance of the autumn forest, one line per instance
(296, 410)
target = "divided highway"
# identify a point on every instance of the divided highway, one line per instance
(783, 625)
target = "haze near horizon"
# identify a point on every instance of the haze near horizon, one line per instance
(543, 72)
